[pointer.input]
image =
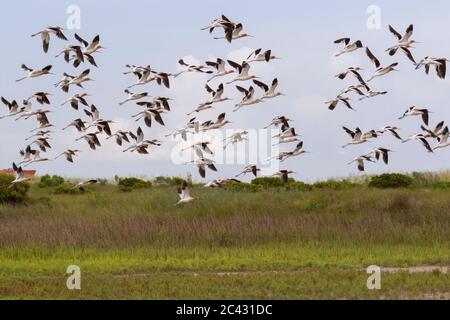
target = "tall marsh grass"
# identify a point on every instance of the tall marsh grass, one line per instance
(107, 218)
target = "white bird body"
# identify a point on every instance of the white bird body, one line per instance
(379, 70)
(120, 137)
(133, 96)
(20, 177)
(250, 169)
(392, 130)
(415, 111)
(13, 108)
(68, 154)
(440, 65)
(422, 139)
(35, 73)
(184, 194)
(37, 158)
(217, 97)
(404, 42)
(361, 160)
(45, 35)
(443, 140)
(235, 138)
(90, 48)
(234, 32)
(243, 72)
(269, 92)
(202, 164)
(76, 99)
(348, 47)
(358, 137)
(91, 139)
(221, 71)
(280, 120)
(218, 124)
(248, 99)
(332, 104)
(222, 22)
(83, 184)
(261, 56)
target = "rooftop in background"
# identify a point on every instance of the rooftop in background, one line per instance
(27, 173)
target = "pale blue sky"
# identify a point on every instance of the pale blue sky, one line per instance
(302, 33)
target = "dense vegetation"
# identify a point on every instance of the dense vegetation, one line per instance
(317, 238)
(8, 195)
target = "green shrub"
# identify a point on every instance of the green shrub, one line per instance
(300, 186)
(244, 187)
(48, 181)
(391, 180)
(169, 181)
(130, 184)
(102, 181)
(43, 201)
(443, 185)
(334, 184)
(268, 182)
(14, 195)
(66, 189)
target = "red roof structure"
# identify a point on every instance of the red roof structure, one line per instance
(27, 173)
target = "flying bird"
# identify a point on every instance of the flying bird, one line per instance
(133, 96)
(382, 153)
(68, 154)
(348, 47)
(379, 70)
(120, 137)
(443, 140)
(76, 99)
(250, 169)
(249, 98)
(415, 111)
(222, 22)
(354, 71)
(269, 92)
(404, 42)
(92, 47)
(20, 177)
(35, 73)
(392, 130)
(358, 137)
(284, 175)
(436, 132)
(243, 72)
(218, 124)
(261, 56)
(332, 104)
(361, 160)
(82, 185)
(234, 32)
(45, 35)
(202, 164)
(184, 194)
(220, 66)
(91, 139)
(192, 68)
(440, 65)
(235, 138)
(422, 139)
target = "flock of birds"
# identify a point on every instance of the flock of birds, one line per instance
(361, 88)
(92, 127)
(253, 90)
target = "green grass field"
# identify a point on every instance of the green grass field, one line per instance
(270, 244)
